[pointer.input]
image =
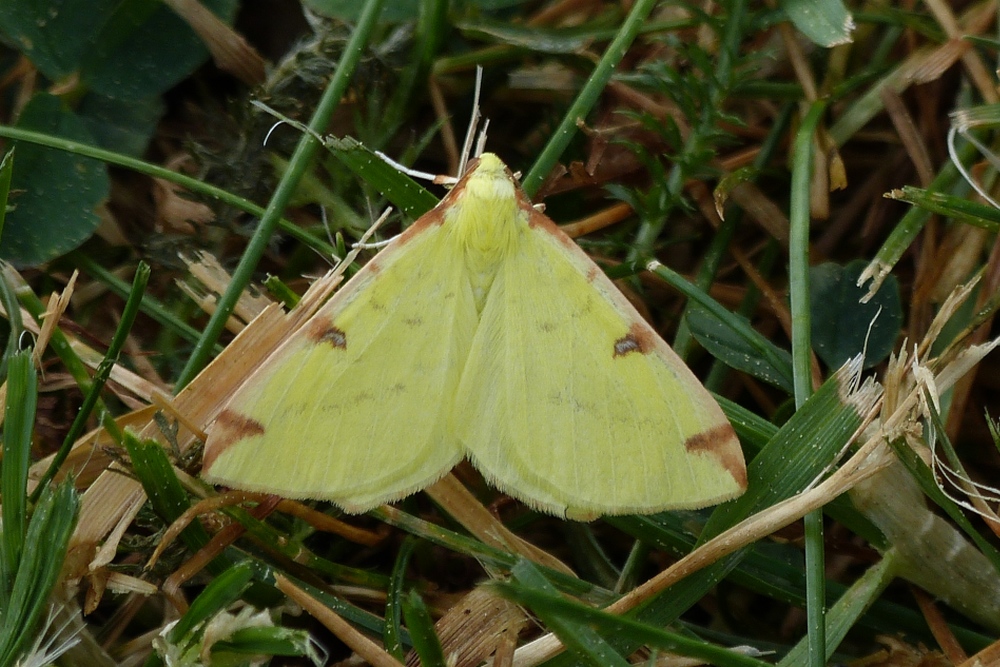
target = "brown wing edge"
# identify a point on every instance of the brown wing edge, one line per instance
(721, 440)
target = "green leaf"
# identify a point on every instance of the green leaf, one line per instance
(265, 640)
(19, 420)
(126, 49)
(534, 38)
(144, 48)
(575, 633)
(841, 323)
(54, 35)
(802, 449)
(421, 627)
(121, 126)
(47, 539)
(397, 11)
(727, 326)
(55, 193)
(736, 351)
(405, 193)
(845, 613)
(217, 596)
(392, 634)
(825, 22)
(958, 208)
(166, 495)
(6, 173)
(549, 606)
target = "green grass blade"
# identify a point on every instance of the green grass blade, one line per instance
(587, 97)
(575, 634)
(301, 159)
(582, 628)
(957, 208)
(848, 609)
(45, 544)
(6, 171)
(221, 592)
(101, 377)
(19, 421)
(803, 448)
(421, 627)
(900, 240)
(488, 555)
(798, 281)
(405, 193)
(165, 493)
(772, 356)
(156, 171)
(392, 635)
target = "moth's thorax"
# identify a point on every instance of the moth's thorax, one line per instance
(487, 221)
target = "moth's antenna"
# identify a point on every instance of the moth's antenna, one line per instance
(481, 143)
(436, 179)
(473, 123)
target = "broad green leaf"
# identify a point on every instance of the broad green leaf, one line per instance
(55, 194)
(349, 10)
(842, 326)
(144, 49)
(126, 49)
(54, 35)
(736, 351)
(545, 40)
(121, 126)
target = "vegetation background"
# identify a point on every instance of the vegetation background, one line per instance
(746, 146)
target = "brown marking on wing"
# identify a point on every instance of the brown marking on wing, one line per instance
(538, 220)
(722, 443)
(640, 338)
(431, 218)
(592, 273)
(322, 330)
(229, 428)
(435, 216)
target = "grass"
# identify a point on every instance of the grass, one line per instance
(715, 156)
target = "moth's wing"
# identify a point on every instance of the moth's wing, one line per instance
(572, 403)
(352, 408)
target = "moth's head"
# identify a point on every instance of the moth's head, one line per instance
(489, 178)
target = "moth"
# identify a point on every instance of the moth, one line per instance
(482, 331)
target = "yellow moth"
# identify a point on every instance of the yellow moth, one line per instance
(483, 332)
